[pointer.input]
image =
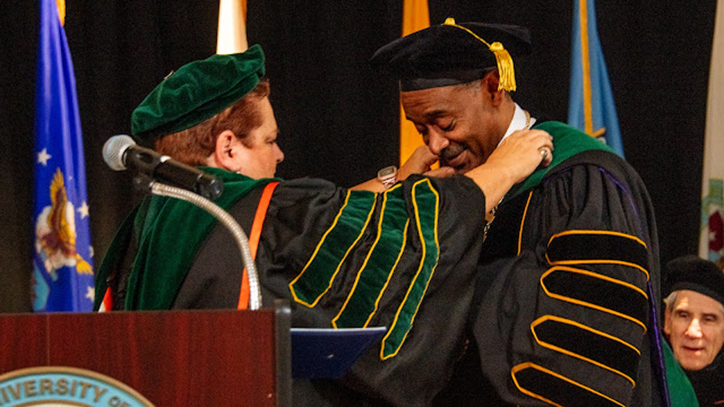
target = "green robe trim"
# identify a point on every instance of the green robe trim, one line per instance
(567, 142)
(377, 270)
(338, 241)
(167, 245)
(681, 392)
(113, 255)
(426, 202)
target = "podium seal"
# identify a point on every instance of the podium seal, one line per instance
(61, 386)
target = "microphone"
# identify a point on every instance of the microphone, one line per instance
(121, 152)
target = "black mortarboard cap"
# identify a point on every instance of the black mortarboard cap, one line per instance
(694, 274)
(450, 54)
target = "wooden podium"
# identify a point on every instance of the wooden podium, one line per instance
(172, 358)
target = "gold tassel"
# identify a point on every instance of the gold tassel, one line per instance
(502, 58)
(505, 67)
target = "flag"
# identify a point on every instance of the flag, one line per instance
(62, 277)
(590, 104)
(415, 17)
(231, 34)
(711, 239)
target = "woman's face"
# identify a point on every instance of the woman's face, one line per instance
(258, 158)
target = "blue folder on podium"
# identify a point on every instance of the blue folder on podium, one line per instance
(328, 353)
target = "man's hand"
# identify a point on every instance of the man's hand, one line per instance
(512, 162)
(521, 153)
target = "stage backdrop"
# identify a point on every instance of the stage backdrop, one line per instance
(338, 119)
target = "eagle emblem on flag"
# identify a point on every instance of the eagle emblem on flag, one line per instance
(55, 232)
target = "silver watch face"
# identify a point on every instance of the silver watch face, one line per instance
(387, 171)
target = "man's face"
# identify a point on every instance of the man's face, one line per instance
(458, 123)
(695, 327)
(260, 158)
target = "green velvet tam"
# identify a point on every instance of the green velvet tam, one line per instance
(196, 92)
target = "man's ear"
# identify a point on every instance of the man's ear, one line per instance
(490, 83)
(223, 155)
(667, 324)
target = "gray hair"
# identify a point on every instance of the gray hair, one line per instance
(671, 300)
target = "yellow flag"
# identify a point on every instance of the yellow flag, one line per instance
(61, 10)
(231, 35)
(415, 17)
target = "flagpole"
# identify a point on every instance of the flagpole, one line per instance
(586, 64)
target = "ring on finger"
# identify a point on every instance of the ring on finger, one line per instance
(544, 152)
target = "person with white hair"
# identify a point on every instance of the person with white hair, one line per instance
(694, 324)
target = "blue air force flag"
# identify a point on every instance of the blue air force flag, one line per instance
(62, 278)
(590, 105)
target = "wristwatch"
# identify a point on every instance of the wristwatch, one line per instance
(387, 176)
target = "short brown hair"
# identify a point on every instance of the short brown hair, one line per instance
(193, 146)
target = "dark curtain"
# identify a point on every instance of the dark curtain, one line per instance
(338, 119)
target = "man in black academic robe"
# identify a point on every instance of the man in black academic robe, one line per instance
(564, 287)
(568, 279)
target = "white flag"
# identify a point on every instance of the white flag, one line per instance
(711, 240)
(231, 34)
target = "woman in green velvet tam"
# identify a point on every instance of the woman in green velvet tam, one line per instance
(342, 257)
(216, 113)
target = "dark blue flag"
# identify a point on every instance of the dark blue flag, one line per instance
(591, 107)
(62, 265)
